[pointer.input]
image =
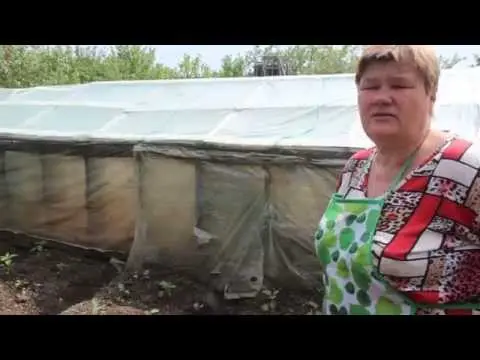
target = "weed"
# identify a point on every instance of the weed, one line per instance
(117, 264)
(198, 306)
(166, 288)
(314, 308)
(6, 261)
(271, 300)
(152, 312)
(38, 247)
(123, 290)
(20, 284)
(97, 308)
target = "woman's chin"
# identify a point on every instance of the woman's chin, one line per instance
(382, 132)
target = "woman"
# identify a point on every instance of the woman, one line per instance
(402, 233)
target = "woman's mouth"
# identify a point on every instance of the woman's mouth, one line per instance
(384, 115)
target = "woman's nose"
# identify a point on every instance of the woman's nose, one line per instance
(382, 96)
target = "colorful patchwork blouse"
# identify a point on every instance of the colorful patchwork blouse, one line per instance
(427, 243)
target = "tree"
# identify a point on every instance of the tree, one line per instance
(233, 66)
(448, 63)
(309, 59)
(192, 67)
(34, 65)
(476, 60)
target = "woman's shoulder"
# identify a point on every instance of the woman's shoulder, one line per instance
(356, 161)
(352, 168)
(358, 157)
(459, 161)
(362, 154)
(461, 155)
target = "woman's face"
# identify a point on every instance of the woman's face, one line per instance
(393, 102)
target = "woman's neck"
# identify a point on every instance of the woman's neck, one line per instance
(393, 155)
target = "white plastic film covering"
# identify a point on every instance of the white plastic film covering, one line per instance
(264, 111)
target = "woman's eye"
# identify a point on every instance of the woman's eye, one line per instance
(401, 86)
(377, 87)
(370, 87)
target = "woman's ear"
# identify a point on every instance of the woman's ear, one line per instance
(433, 95)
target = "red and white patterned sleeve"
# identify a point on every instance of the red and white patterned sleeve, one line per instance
(464, 168)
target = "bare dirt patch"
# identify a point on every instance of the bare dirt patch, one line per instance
(44, 279)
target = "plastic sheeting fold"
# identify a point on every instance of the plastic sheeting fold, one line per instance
(24, 185)
(259, 210)
(64, 201)
(298, 195)
(112, 201)
(231, 206)
(166, 218)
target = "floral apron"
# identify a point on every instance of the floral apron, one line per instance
(343, 240)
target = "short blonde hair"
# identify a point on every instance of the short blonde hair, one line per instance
(422, 57)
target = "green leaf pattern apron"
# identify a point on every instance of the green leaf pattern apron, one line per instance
(344, 246)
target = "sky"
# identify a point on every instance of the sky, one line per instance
(212, 54)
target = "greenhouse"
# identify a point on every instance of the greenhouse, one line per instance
(225, 178)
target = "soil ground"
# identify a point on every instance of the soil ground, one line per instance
(42, 279)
